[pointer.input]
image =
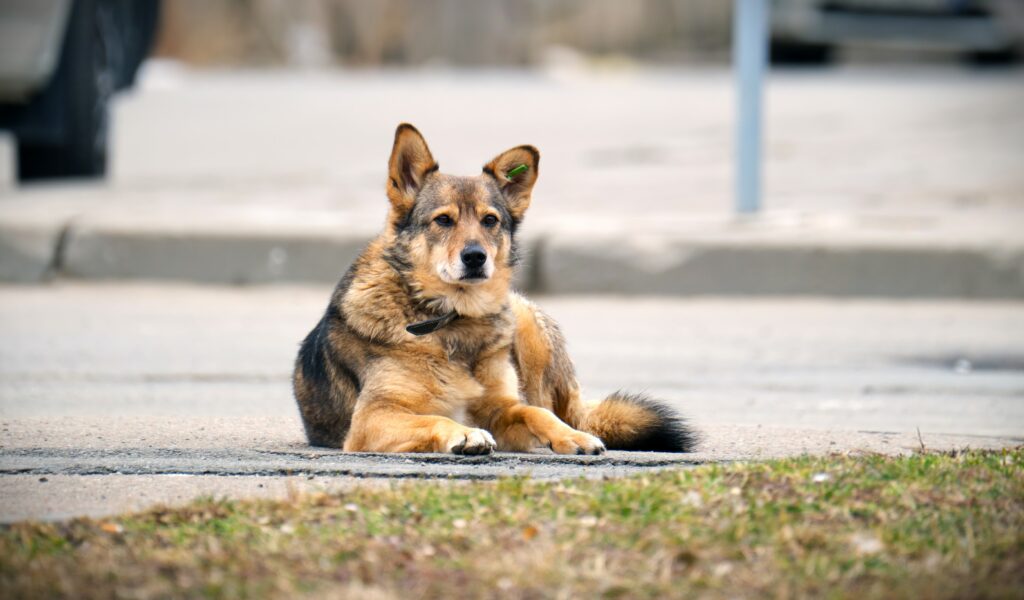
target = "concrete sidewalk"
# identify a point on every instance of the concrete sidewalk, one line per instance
(886, 184)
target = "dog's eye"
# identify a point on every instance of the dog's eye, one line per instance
(443, 220)
(490, 221)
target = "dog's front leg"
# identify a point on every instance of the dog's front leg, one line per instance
(518, 427)
(393, 414)
(385, 429)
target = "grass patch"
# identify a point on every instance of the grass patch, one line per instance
(928, 525)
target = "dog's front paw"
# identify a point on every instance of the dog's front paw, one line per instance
(578, 442)
(471, 441)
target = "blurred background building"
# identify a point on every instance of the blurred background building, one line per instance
(517, 33)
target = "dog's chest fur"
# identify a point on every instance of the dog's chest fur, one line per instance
(466, 341)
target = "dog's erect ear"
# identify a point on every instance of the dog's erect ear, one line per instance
(409, 166)
(515, 171)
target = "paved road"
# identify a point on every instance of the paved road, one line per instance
(76, 350)
(120, 396)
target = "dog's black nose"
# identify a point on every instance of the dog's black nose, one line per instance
(473, 256)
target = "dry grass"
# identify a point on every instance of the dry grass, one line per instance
(930, 525)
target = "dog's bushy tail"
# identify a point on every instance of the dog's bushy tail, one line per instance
(638, 422)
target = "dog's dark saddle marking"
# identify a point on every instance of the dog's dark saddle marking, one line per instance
(432, 325)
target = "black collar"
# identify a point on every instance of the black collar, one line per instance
(432, 325)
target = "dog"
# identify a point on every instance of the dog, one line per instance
(424, 347)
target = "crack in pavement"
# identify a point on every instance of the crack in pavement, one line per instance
(324, 463)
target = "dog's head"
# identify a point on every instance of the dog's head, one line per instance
(457, 231)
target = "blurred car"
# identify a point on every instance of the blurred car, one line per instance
(807, 31)
(61, 61)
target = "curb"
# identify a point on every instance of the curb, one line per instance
(752, 263)
(677, 266)
(29, 249)
(91, 253)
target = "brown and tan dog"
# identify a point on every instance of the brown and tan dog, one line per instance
(424, 347)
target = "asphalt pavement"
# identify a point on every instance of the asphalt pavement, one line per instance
(116, 397)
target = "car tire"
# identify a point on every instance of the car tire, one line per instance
(1003, 57)
(81, 89)
(788, 52)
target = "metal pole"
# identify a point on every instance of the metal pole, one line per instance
(749, 52)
